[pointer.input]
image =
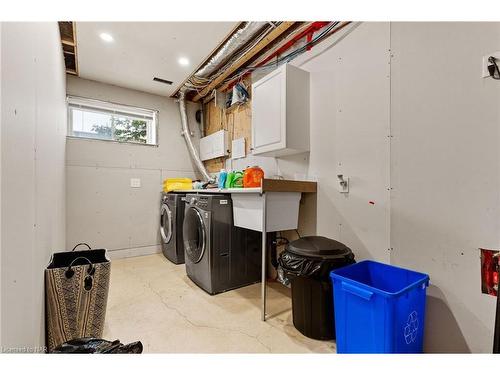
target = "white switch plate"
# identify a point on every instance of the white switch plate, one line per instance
(135, 182)
(485, 72)
(343, 188)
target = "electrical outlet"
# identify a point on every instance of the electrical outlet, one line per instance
(485, 72)
(135, 182)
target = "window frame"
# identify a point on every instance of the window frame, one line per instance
(103, 107)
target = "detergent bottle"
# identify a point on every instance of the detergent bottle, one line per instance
(234, 180)
(229, 179)
(253, 177)
(237, 180)
(222, 179)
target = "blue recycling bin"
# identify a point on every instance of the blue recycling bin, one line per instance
(379, 308)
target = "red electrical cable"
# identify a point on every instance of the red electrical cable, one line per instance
(309, 31)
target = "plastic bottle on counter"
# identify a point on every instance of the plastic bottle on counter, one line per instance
(234, 179)
(229, 179)
(237, 180)
(221, 183)
(253, 177)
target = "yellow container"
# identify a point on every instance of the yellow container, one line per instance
(177, 184)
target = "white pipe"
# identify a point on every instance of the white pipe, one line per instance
(187, 137)
(240, 37)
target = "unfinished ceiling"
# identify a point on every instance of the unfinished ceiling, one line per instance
(68, 42)
(141, 51)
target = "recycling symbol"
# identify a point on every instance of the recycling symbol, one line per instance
(411, 328)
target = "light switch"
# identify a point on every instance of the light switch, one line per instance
(135, 182)
(343, 183)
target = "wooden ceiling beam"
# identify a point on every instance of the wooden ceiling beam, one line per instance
(271, 48)
(67, 30)
(269, 38)
(68, 42)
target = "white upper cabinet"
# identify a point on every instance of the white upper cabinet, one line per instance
(280, 112)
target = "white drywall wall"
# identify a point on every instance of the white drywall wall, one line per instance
(445, 162)
(33, 127)
(442, 161)
(102, 208)
(1, 344)
(349, 135)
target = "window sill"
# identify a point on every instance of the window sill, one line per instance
(111, 141)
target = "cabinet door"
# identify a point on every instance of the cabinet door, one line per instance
(268, 114)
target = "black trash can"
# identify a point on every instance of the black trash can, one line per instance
(307, 263)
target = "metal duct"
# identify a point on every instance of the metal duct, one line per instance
(187, 137)
(239, 38)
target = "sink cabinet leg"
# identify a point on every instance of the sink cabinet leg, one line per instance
(264, 259)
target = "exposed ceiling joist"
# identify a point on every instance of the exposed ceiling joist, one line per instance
(272, 48)
(67, 31)
(274, 34)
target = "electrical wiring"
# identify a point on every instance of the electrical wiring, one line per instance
(290, 56)
(328, 31)
(299, 50)
(199, 83)
(290, 36)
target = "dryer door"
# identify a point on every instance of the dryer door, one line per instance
(194, 235)
(166, 223)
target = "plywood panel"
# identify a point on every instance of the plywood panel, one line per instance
(242, 119)
(213, 122)
(237, 120)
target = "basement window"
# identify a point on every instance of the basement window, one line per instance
(95, 119)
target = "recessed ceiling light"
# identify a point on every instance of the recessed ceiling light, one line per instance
(184, 61)
(106, 37)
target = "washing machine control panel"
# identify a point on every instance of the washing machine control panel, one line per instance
(202, 202)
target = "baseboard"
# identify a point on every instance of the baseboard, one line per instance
(134, 252)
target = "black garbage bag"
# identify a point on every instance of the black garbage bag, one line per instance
(313, 257)
(297, 265)
(92, 345)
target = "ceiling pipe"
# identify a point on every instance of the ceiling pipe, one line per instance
(187, 137)
(240, 37)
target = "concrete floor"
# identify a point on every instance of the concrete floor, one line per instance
(152, 300)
